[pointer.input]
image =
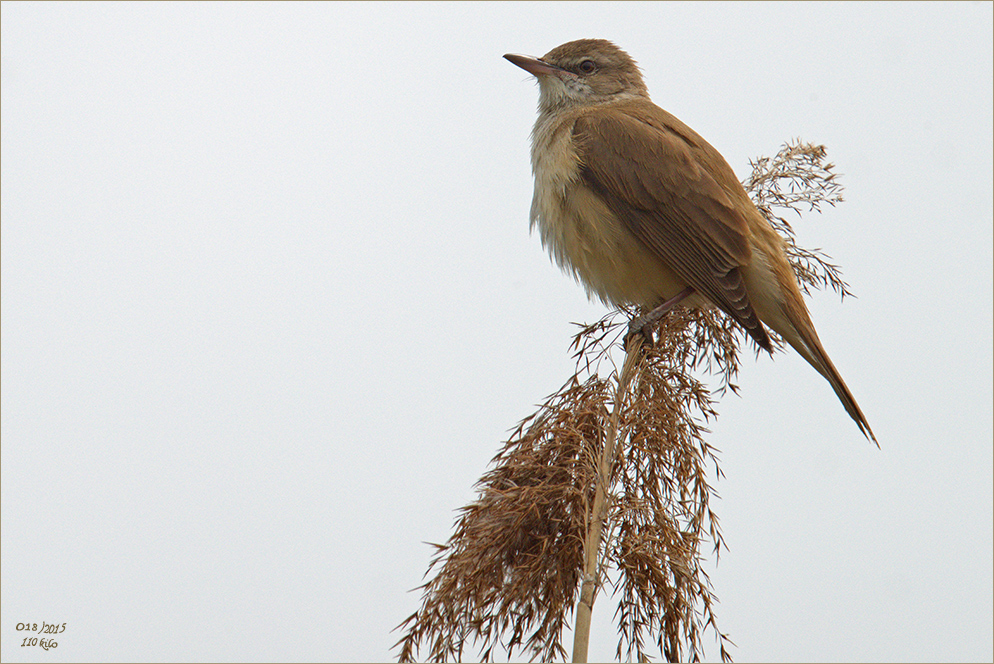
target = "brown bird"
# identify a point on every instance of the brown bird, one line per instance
(644, 211)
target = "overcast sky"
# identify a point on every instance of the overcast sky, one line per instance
(270, 305)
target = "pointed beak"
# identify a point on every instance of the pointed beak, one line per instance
(535, 66)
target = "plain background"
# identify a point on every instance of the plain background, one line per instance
(270, 305)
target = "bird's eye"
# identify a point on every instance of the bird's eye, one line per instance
(588, 66)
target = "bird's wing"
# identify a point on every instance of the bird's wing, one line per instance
(649, 177)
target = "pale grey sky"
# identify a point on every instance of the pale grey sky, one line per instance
(270, 305)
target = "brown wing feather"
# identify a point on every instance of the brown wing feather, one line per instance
(649, 178)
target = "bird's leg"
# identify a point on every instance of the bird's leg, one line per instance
(643, 324)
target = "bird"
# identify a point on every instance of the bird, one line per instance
(643, 211)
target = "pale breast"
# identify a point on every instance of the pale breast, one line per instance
(582, 235)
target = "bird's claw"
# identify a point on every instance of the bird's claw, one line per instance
(638, 329)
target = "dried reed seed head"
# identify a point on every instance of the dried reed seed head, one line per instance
(509, 574)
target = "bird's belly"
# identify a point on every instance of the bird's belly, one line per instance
(585, 238)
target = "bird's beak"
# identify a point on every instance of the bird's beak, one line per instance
(535, 66)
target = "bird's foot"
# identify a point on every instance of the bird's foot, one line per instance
(642, 326)
(640, 332)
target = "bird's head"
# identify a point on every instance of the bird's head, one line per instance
(582, 73)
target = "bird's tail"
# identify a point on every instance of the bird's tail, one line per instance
(804, 339)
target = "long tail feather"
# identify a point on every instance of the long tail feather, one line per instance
(808, 345)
